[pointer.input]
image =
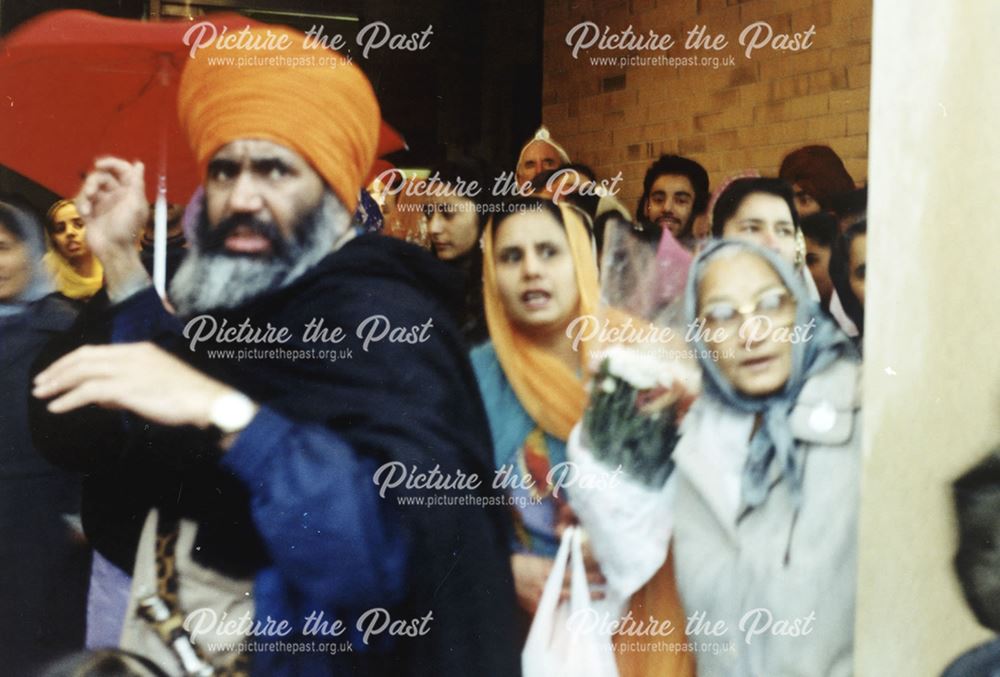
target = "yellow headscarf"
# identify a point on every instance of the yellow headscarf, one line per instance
(70, 283)
(549, 391)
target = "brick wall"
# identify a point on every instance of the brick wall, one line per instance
(734, 117)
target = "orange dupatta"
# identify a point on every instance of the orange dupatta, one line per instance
(551, 393)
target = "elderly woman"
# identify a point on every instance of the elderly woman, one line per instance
(540, 274)
(75, 269)
(768, 470)
(43, 575)
(764, 495)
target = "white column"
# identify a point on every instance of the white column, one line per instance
(932, 360)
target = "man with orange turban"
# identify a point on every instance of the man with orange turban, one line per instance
(272, 434)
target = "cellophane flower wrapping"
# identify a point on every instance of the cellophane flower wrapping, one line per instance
(642, 374)
(643, 377)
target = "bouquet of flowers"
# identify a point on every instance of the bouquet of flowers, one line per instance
(636, 401)
(644, 378)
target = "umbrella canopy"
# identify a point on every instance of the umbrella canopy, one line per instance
(76, 85)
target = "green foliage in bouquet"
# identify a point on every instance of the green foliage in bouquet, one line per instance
(620, 433)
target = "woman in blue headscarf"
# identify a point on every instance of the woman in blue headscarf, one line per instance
(44, 565)
(768, 470)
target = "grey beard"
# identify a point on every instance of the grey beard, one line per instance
(215, 280)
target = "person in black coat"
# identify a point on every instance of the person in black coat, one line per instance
(44, 563)
(248, 417)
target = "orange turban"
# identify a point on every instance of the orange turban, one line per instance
(311, 100)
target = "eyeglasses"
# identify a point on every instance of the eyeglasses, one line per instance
(777, 305)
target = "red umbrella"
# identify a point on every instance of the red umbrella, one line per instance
(75, 85)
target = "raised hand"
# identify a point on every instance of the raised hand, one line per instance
(137, 377)
(112, 203)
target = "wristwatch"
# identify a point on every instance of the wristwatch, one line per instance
(232, 412)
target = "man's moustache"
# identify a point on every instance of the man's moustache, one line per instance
(213, 240)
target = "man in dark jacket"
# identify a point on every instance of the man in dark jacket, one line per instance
(309, 411)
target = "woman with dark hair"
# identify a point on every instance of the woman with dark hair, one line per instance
(760, 210)
(456, 217)
(43, 562)
(539, 275)
(74, 268)
(820, 232)
(847, 272)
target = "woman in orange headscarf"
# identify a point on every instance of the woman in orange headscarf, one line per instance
(539, 273)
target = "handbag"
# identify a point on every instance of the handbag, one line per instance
(167, 586)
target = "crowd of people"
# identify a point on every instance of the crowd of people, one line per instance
(161, 479)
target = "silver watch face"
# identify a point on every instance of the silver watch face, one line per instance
(232, 412)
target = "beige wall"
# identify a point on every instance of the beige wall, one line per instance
(745, 116)
(932, 362)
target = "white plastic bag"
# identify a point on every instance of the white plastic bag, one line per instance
(557, 647)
